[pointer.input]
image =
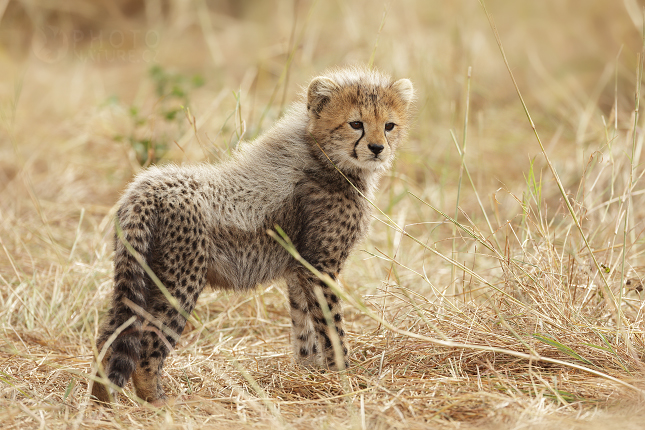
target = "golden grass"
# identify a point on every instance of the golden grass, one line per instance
(474, 303)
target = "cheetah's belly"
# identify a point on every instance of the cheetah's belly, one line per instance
(241, 260)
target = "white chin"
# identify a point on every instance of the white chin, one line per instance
(373, 164)
(367, 164)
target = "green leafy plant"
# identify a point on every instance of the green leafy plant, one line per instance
(154, 129)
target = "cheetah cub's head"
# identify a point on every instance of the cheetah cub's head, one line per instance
(358, 117)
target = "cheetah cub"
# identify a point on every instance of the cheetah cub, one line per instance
(207, 224)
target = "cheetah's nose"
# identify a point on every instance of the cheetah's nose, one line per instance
(375, 148)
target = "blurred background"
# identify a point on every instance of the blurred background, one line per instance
(66, 65)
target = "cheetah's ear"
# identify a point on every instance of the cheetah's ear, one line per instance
(405, 90)
(318, 94)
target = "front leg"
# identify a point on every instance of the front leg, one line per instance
(317, 340)
(306, 349)
(332, 219)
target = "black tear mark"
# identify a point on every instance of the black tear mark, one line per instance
(354, 154)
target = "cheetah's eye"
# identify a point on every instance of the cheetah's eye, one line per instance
(389, 126)
(356, 125)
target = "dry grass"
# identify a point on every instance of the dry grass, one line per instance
(500, 319)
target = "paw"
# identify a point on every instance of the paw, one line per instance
(309, 361)
(307, 355)
(158, 401)
(331, 359)
(330, 364)
(163, 401)
(101, 395)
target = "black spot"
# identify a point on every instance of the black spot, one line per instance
(326, 339)
(294, 305)
(304, 352)
(128, 346)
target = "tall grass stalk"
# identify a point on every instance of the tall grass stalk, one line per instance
(462, 154)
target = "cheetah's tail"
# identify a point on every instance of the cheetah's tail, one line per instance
(134, 220)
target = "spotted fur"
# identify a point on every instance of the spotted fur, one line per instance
(206, 224)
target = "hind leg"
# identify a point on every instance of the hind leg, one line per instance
(102, 392)
(184, 275)
(147, 377)
(158, 337)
